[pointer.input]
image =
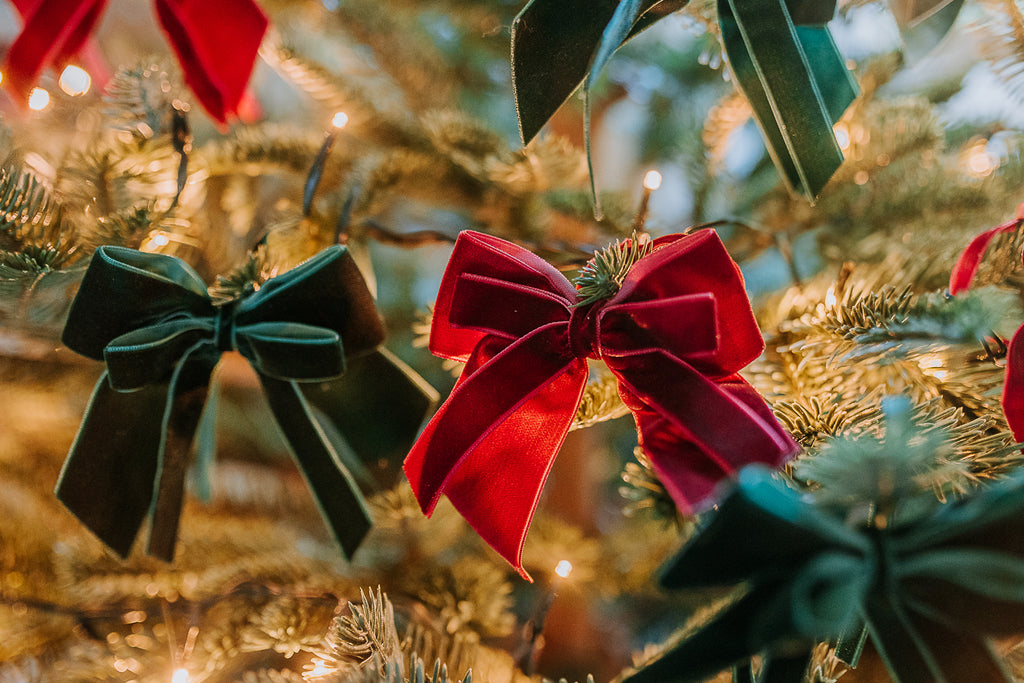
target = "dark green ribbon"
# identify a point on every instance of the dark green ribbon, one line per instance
(780, 51)
(924, 23)
(150, 318)
(786, 64)
(929, 592)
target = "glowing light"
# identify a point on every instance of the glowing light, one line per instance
(652, 180)
(830, 297)
(161, 240)
(842, 137)
(563, 568)
(38, 99)
(75, 80)
(981, 162)
(340, 120)
(1, 77)
(319, 668)
(180, 676)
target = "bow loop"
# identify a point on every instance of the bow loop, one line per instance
(479, 254)
(686, 326)
(123, 290)
(325, 291)
(149, 355)
(292, 351)
(505, 309)
(699, 264)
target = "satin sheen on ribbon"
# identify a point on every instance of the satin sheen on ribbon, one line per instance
(960, 279)
(150, 318)
(215, 42)
(930, 590)
(675, 335)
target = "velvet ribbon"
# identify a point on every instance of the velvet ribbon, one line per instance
(964, 270)
(924, 23)
(780, 51)
(216, 43)
(928, 589)
(675, 335)
(150, 318)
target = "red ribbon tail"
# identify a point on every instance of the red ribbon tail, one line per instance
(216, 44)
(1013, 388)
(491, 445)
(967, 264)
(54, 30)
(695, 430)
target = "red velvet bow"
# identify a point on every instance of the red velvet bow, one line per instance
(675, 334)
(216, 42)
(960, 280)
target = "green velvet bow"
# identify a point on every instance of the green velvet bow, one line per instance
(927, 590)
(150, 318)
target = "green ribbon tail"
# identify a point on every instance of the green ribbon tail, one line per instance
(187, 393)
(108, 477)
(744, 673)
(796, 82)
(334, 489)
(923, 25)
(377, 407)
(915, 648)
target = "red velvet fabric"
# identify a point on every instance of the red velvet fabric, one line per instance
(967, 264)
(675, 334)
(216, 42)
(960, 280)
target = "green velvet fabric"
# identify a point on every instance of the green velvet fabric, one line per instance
(150, 318)
(928, 590)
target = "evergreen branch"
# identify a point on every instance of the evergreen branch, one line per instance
(602, 276)
(368, 631)
(139, 99)
(600, 402)
(643, 490)
(244, 279)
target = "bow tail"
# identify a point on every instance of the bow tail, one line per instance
(514, 410)
(107, 479)
(915, 648)
(334, 489)
(728, 425)
(188, 390)
(216, 43)
(372, 414)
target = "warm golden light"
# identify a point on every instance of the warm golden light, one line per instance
(319, 668)
(1, 77)
(38, 99)
(652, 180)
(842, 136)
(981, 162)
(75, 80)
(563, 568)
(830, 297)
(161, 240)
(340, 120)
(180, 676)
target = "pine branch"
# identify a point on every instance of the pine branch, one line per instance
(602, 276)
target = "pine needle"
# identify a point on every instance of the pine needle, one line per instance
(602, 276)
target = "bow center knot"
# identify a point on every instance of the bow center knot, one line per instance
(583, 342)
(224, 326)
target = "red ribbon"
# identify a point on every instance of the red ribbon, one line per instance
(216, 42)
(675, 334)
(960, 280)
